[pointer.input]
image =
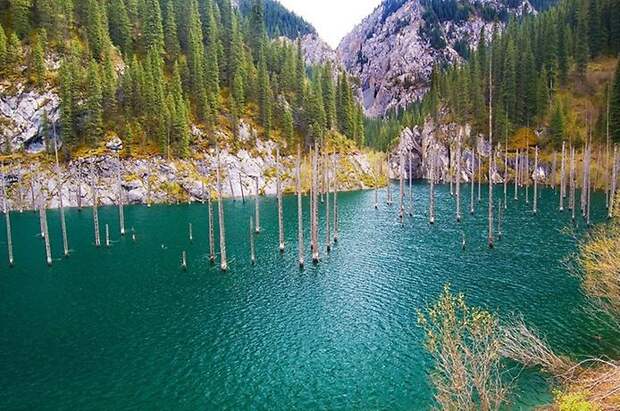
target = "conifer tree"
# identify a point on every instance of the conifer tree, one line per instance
(171, 37)
(93, 126)
(66, 104)
(3, 49)
(595, 29)
(581, 47)
(21, 14)
(108, 85)
(37, 62)
(264, 96)
(14, 52)
(300, 75)
(556, 127)
(96, 28)
(119, 25)
(212, 74)
(153, 31)
(329, 97)
(562, 54)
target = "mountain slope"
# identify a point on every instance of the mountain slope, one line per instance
(393, 50)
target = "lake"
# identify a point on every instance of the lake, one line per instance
(125, 328)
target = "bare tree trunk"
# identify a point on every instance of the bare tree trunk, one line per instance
(492, 157)
(79, 186)
(328, 233)
(458, 175)
(506, 172)
(554, 172)
(607, 149)
(614, 179)
(300, 218)
(410, 185)
(184, 261)
(191, 232)
(589, 188)
(220, 212)
(257, 207)
(336, 188)
(232, 189)
(211, 231)
(7, 218)
(563, 177)
(451, 170)
(536, 182)
(517, 175)
(479, 177)
(279, 192)
(148, 190)
(499, 221)
(573, 183)
(431, 203)
(241, 188)
(63, 223)
(389, 185)
(121, 211)
(315, 199)
(107, 236)
(473, 176)
(95, 213)
(46, 236)
(401, 210)
(527, 172)
(252, 252)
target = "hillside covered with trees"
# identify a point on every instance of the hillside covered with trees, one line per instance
(150, 70)
(551, 72)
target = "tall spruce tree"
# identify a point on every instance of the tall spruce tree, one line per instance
(93, 125)
(171, 37)
(153, 31)
(119, 25)
(3, 49)
(20, 11)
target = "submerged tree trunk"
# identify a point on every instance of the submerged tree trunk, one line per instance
(536, 182)
(336, 188)
(506, 173)
(211, 230)
(401, 209)
(458, 176)
(121, 211)
(573, 184)
(491, 156)
(95, 213)
(614, 179)
(315, 199)
(63, 223)
(279, 193)
(257, 206)
(7, 219)
(300, 218)
(252, 252)
(431, 203)
(517, 176)
(473, 175)
(563, 177)
(107, 236)
(389, 186)
(46, 236)
(410, 185)
(328, 233)
(220, 213)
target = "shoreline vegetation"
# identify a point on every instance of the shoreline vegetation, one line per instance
(469, 346)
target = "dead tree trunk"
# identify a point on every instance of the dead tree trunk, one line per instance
(252, 252)
(95, 213)
(506, 174)
(573, 184)
(220, 213)
(7, 218)
(191, 233)
(46, 236)
(328, 233)
(479, 177)
(410, 185)
(121, 210)
(401, 210)
(491, 158)
(431, 203)
(279, 193)
(389, 186)
(300, 217)
(563, 177)
(257, 206)
(614, 179)
(527, 172)
(211, 231)
(63, 223)
(315, 216)
(517, 176)
(107, 236)
(232, 189)
(536, 181)
(241, 189)
(473, 176)
(336, 188)
(458, 176)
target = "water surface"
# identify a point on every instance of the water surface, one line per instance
(125, 328)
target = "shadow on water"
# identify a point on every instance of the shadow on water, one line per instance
(124, 327)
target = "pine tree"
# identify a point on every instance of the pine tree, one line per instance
(119, 25)
(556, 127)
(173, 47)
(20, 11)
(510, 82)
(542, 93)
(329, 97)
(96, 28)
(108, 87)
(264, 96)
(300, 75)
(14, 52)
(581, 48)
(3, 49)
(45, 13)
(93, 126)
(212, 80)
(66, 104)
(594, 29)
(614, 26)
(562, 54)
(153, 30)
(37, 62)
(180, 123)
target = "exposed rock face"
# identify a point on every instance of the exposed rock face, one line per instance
(393, 53)
(158, 180)
(442, 139)
(317, 51)
(21, 117)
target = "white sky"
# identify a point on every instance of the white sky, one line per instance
(333, 19)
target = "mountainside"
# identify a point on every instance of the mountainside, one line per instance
(393, 51)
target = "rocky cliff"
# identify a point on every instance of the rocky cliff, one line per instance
(393, 51)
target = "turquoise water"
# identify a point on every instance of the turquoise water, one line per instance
(126, 328)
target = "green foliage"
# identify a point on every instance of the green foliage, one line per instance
(3, 49)
(94, 106)
(21, 14)
(573, 402)
(37, 62)
(119, 25)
